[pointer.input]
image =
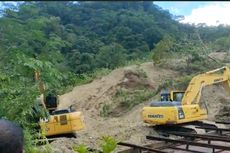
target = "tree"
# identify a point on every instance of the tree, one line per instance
(110, 56)
(222, 43)
(162, 49)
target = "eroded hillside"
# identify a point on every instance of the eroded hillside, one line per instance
(90, 99)
(124, 123)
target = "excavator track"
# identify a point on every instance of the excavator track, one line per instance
(197, 127)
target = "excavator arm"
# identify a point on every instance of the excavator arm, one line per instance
(41, 87)
(41, 84)
(193, 92)
(49, 102)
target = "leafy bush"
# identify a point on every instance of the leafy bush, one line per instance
(107, 144)
(80, 149)
(163, 49)
(19, 92)
(128, 99)
(105, 110)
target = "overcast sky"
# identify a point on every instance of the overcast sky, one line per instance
(210, 12)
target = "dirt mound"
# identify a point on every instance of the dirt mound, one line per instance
(220, 56)
(92, 96)
(90, 99)
(218, 102)
(135, 78)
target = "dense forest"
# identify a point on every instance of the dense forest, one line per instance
(87, 35)
(68, 41)
(81, 37)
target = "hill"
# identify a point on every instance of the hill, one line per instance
(84, 36)
(69, 43)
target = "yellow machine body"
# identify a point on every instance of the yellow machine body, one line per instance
(173, 115)
(188, 108)
(65, 121)
(62, 124)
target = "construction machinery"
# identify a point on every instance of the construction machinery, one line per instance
(59, 122)
(172, 110)
(175, 95)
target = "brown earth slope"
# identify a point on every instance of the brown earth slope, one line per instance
(90, 98)
(218, 103)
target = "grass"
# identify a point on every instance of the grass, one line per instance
(107, 145)
(81, 79)
(105, 110)
(129, 99)
(125, 101)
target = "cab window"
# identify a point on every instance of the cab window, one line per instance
(178, 96)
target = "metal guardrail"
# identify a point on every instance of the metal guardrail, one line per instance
(202, 136)
(218, 130)
(189, 143)
(139, 148)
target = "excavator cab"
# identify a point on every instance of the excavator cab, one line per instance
(172, 98)
(51, 101)
(177, 95)
(165, 96)
(174, 95)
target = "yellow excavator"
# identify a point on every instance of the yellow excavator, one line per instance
(59, 122)
(178, 107)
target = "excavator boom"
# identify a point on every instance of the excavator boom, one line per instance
(48, 102)
(193, 91)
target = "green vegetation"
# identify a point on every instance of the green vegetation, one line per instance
(73, 43)
(130, 99)
(88, 35)
(107, 144)
(106, 110)
(80, 149)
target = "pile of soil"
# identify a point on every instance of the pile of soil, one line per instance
(220, 56)
(218, 103)
(90, 98)
(136, 79)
